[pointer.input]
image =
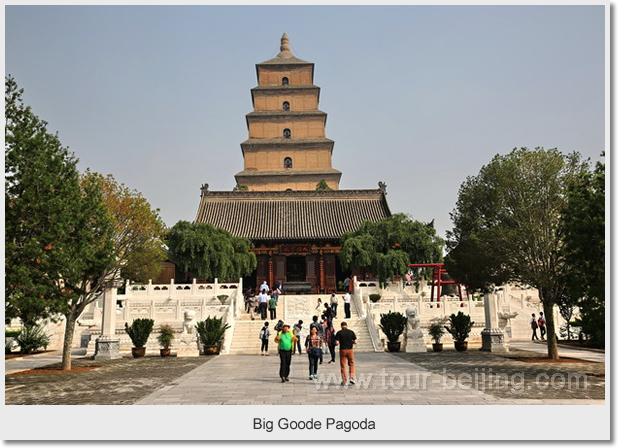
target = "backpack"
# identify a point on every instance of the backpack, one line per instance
(534, 324)
(541, 322)
(263, 333)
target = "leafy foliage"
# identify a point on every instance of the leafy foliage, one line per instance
(138, 231)
(322, 186)
(209, 252)
(506, 225)
(375, 297)
(211, 331)
(139, 331)
(392, 325)
(583, 232)
(388, 246)
(32, 338)
(57, 232)
(166, 336)
(240, 187)
(436, 331)
(460, 326)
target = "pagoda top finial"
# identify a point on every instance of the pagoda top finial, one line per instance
(285, 47)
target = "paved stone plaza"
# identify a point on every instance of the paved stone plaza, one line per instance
(384, 378)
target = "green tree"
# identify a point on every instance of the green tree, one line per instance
(506, 221)
(58, 234)
(240, 187)
(322, 185)
(388, 246)
(210, 252)
(583, 232)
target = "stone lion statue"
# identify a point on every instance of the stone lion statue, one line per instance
(413, 331)
(189, 323)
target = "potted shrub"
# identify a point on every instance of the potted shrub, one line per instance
(165, 338)
(374, 297)
(210, 333)
(393, 325)
(222, 298)
(31, 339)
(139, 331)
(436, 331)
(460, 327)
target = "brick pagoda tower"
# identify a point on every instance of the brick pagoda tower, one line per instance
(287, 148)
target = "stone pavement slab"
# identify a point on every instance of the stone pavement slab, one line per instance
(382, 378)
(40, 360)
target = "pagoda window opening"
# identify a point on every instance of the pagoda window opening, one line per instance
(286, 106)
(287, 163)
(285, 81)
(287, 133)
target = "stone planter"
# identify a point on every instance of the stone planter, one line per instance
(393, 346)
(138, 352)
(209, 350)
(166, 352)
(461, 346)
(437, 347)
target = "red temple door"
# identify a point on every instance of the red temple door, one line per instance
(330, 273)
(313, 271)
(279, 268)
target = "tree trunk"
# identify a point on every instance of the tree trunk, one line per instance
(552, 343)
(71, 318)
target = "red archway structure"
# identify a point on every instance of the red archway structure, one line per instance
(436, 279)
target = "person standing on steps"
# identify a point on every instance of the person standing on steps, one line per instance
(263, 297)
(346, 305)
(346, 339)
(334, 302)
(534, 325)
(264, 336)
(313, 346)
(297, 330)
(329, 339)
(253, 306)
(542, 327)
(264, 287)
(328, 312)
(285, 341)
(272, 307)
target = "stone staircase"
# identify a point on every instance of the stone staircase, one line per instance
(290, 309)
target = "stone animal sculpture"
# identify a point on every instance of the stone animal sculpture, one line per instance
(189, 323)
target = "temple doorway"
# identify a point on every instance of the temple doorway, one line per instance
(296, 268)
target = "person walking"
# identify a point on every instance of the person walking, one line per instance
(346, 339)
(534, 325)
(320, 329)
(263, 298)
(329, 339)
(328, 312)
(313, 345)
(297, 330)
(276, 293)
(319, 305)
(264, 336)
(542, 327)
(346, 305)
(253, 306)
(272, 308)
(334, 302)
(264, 287)
(346, 284)
(285, 342)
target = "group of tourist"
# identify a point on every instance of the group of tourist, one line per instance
(538, 324)
(315, 343)
(322, 338)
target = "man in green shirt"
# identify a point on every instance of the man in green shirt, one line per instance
(272, 307)
(285, 340)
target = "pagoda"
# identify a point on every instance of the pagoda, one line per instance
(287, 148)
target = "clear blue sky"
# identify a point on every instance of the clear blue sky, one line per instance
(418, 97)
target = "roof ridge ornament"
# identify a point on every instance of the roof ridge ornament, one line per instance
(382, 187)
(285, 47)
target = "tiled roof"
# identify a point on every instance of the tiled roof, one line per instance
(285, 61)
(291, 215)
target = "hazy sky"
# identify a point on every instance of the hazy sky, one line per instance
(418, 97)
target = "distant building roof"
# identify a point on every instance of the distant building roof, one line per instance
(291, 215)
